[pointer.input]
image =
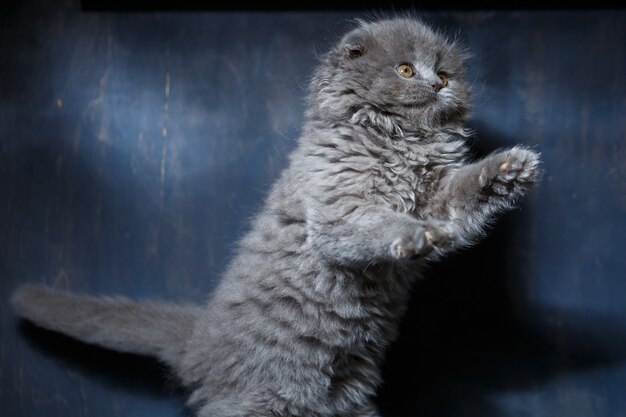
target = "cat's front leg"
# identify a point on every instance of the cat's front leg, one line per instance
(371, 234)
(429, 236)
(507, 175)
(473, 194)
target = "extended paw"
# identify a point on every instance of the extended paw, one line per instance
(509, 173)
(432, 235)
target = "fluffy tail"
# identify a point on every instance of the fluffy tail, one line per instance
(147, 328)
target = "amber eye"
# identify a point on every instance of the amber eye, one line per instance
(443, 77)
(405, 70)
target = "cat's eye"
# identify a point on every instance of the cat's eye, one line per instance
(405, 70)
(443, 77)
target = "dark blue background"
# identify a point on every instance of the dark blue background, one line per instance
(135, 147)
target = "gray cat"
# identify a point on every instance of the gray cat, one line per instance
(378, 185)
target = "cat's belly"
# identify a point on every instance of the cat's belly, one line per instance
(312, 348)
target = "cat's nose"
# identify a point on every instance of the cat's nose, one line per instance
(437, 85)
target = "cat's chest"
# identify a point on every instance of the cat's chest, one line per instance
(407, 179)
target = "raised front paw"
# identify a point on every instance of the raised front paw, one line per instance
(429, 236)
(509, 173)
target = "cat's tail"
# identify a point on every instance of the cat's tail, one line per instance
(151, 328)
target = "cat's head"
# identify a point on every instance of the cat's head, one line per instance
(398, 70)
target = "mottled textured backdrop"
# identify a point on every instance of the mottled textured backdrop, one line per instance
(135, 147)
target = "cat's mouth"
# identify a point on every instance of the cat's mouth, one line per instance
(423, 100)
(430, 99)
(425, 97)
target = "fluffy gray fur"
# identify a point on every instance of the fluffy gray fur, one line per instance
(378, 185)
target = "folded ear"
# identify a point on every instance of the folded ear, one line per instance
(354, 45)
(354, 50)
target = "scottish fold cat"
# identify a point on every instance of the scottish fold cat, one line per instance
(379, 184)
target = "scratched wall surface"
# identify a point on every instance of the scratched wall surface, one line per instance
(135, 147)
